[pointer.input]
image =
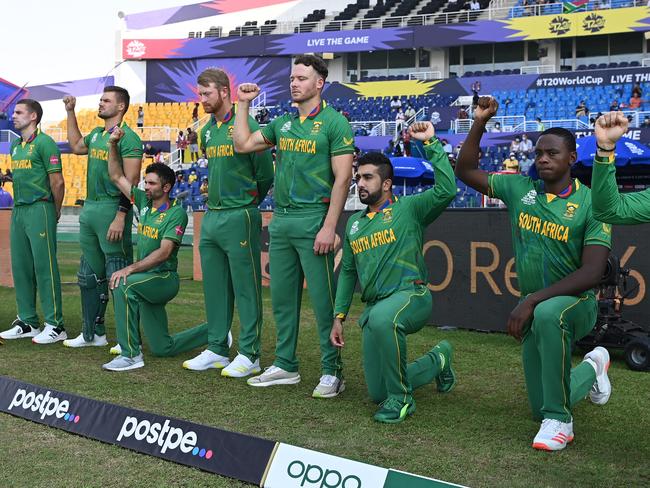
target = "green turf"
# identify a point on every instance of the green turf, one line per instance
(478, 435)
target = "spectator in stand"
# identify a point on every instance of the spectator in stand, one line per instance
(9, 177)
(462, 114)
(159, 157)
(395, 103)
(399, 148)
(474, 5)
(195, 113)
(637, 88)
(614, 106)
(203, 190)
(646, 123)
(406, 137)
(6, 200)
(409, 113)
(181, 145)
(399, 122)
(263, 116)
(140, 120)
(193, 142)
(435, 117)
(582, 110)
(203, 160)
(525, 146)
(496, 127)
(635, 101)
(192, 177)
(476, 89)
(446, 146)
(525, 164)
(149, 152)
(511, 164)
(457, 150)
(514, 145)
(540, 125)
(388, 151)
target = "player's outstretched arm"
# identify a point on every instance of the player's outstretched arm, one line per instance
(594, 262)
(608, 204)
(244, 141)
(467, 168)
(75, 139)
(114, 169)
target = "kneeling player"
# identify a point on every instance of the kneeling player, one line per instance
(383, 247)
(142, 289)
(561, 252)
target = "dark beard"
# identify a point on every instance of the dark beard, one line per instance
(372, 198)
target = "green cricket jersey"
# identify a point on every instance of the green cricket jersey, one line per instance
(548, 231)
(304, 148)
(156, 225)
(31, 163)
(98, 182)
(384, 249)
(234, 180)
(609, 205)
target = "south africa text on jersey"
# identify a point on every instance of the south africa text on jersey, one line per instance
(380, 238)
(543, 227)
(306, 146)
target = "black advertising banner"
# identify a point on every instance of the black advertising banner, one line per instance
(210, 449)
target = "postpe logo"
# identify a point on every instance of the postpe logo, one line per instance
(316, 476)
(166, 436)
(45, 404)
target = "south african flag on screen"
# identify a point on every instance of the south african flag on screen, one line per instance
(570, 6)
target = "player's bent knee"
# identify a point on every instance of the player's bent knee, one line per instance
(546, 313)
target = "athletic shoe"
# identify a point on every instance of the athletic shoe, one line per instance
(446, 380)
(241, 366)
(328, 387)
(393, 411)
(122, 363)
(79, 341)
(206, 360)
(18, 330)
(274, 376)
(229, 339)
(116, 350)
(50, 335)
(553, 435)
(602, 388)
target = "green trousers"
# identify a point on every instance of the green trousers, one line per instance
(230, 260)
(385, 325)
(141, 301)
(94, 221)
(291, 260)
(553, 387)
(33, 263)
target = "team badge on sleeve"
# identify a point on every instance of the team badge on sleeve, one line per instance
(54, 159)
(179, 230)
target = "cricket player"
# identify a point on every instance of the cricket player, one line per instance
(230, 233)
(142, 289)
(383, 248)
(314, 149)
(609, 205)
(106, 218)
(561, 253)
(38, 195)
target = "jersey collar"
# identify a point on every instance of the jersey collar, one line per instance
(110, 131)
(317, 109)
(227, 118)
(564, 194)
(392, 199)
(31, 138)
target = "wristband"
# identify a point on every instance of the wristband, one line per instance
(429, 142)
(605, 150)
(340, 316)
(125, 204)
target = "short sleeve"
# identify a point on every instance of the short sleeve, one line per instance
(174, 229)
(138, 197)
(89, 137)
(130, 145)
(50, 155)
(268, 132)
(504, 186)
(597, 233)
(341, 137)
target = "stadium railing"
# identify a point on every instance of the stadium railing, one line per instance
(425, 75)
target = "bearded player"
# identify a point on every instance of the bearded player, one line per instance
(561, 253)
(106, 218)
(383, 248)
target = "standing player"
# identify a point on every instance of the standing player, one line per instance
(561, 252)
(142, 289)
(314, 150)
(38, 195)
(230, 233)
(106, 218)
(383, 247)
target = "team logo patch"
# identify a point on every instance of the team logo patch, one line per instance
(54, 160)
(180, 230)
(529, 198)
(207, 135)
(316, 127)
(143, 211)
(30, 150)
(355, 228)
(570, 210)
(13, 153)
(94, 138)
(387, 215)
(286, 127)
(243, 243)
(160, 218)
(607, 228)
(348, 142)
(231, 128)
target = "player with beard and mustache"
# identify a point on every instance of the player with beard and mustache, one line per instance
(314, 148)
(230, 234)
(383, 250)
(106, 218)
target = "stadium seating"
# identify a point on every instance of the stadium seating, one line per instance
(521, 10)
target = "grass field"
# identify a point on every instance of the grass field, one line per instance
(478, 435)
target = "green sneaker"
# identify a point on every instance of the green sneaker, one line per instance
(446, 380)
(393, 411)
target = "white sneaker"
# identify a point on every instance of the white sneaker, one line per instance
(122, 363)
(116, 350)
(274, 376)
(553, 435)
(602, 388)
(79, 341)
(50, 335)
(18, 330)
(328, 387)
(241, 366)
(206, 360)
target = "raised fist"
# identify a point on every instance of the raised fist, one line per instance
(609, 128)
(486, 108)
(116, 135)
(247, 92)
(421, 131)
(70, 102)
